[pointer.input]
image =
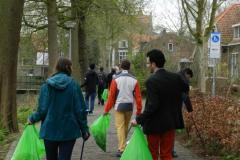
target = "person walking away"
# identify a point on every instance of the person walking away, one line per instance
(164, 96)
(90, 83)
(123, 92)
(61, 110)
(118, 70)
(102, 84)
(110, 76)
(186, 74)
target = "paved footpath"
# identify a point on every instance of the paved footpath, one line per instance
(92, 151)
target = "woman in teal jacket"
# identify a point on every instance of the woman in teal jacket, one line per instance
(61, 109)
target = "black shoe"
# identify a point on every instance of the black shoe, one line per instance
(174, 154)
(119, 154)
(90, 112)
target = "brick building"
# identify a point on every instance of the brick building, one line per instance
(176, 48)
(228, 24)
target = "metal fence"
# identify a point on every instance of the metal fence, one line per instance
(30, 78)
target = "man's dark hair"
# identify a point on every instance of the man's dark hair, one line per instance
(125, 64)
(188, 71)
(64, 65)
(92, 66)
(101, 69)
(113, 70)
(157, 57)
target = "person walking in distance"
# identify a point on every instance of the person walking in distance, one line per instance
(186, 74)
(110, 77)
(91, 81)
(62, 111)
(124, 90)
(102, 84)
(164, 96)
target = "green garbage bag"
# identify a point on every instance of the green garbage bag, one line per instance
(137, 148)
(105, 95)
(29, 147)
(178, 131)
(99, 130)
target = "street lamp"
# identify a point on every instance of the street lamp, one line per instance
(70, 25)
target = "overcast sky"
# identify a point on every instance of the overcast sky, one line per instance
(165, 12)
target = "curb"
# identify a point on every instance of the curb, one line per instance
(11, 150)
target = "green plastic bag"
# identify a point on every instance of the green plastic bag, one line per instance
(137, 148)
(99, 130)
(105, 95)
(29, 147)
(178, 131)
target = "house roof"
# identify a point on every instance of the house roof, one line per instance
(226, 20)
(226, 11)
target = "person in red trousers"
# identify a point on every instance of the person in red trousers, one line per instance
(160, 116)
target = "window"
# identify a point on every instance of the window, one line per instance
(236, 31)
(170, 47)
(123, 44)
(122, 55)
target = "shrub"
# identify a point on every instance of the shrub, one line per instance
(23, 114)
(3, 132)
(140, 70)
(215, 123)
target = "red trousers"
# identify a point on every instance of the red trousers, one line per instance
(161, 143)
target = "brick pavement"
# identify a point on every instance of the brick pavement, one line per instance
(92, 151)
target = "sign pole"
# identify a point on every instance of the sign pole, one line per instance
(214, 78)
(215, 53)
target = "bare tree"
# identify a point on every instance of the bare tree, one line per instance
(200, 23)
(11, 16)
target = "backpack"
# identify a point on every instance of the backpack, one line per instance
(101, 79)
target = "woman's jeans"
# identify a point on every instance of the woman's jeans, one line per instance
(59, 150)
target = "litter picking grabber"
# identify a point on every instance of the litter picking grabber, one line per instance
(129, 128)
(82, 150)
(197, 131)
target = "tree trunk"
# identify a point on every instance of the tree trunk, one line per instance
(79, 58)
(202, 65)
(75, 55)
(11, 15)
(52, 35)
(83, 61)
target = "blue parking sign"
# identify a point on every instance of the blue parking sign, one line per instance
(215, 45)
(215, 38)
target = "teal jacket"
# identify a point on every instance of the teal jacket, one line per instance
(61, 108)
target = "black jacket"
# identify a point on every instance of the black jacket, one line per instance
(102, 80)
(91, 81)
(164, 97)
(187, 102)
(109, 78)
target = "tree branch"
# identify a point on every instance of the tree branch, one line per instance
(191, 9)
(33, 26)
(214, 8)
(187, 18)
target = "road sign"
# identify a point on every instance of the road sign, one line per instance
(215, 45)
